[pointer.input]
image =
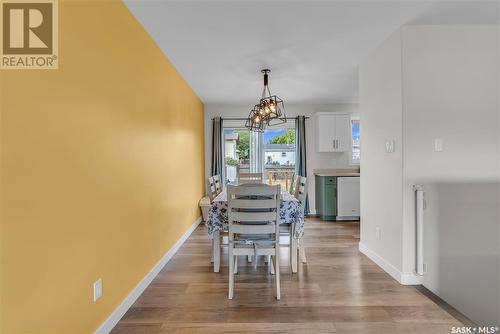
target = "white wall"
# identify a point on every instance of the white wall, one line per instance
(315, 160)
(381, 173)
(450, 80)
(448, 89)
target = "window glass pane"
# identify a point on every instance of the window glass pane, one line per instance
(279, 156)
(356, 149)
(237, 153)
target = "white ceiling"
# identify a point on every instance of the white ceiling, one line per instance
(312, 47)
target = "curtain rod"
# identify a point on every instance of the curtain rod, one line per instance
(244, 119)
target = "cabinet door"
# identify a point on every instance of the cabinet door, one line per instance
(342, 133)
(348, 196)
(325, 127)
(330, 205)
(320, 188)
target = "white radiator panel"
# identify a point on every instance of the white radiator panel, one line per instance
(419, 229)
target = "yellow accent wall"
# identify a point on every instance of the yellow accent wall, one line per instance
(101, 167)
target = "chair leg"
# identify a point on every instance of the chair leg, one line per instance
(293, 246)
(231, 271)
(290, 243)
(271, 264)
(302, 251)
(235, 265)
(216, 251)
(212, 255)
(277, 275)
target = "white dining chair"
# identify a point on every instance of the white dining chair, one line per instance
(244, 178)
(214, 189)
(253, 217)
(211, 188)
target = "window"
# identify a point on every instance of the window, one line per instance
(271, 152)
(279, 155)
(355, 141)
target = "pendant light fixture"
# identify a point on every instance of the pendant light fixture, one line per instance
(269, 111)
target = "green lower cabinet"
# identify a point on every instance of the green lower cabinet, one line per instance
(326, 197)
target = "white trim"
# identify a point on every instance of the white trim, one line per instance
(346, 218)
(118, 313)
(403, 278)
(411, 279)
(381, 262)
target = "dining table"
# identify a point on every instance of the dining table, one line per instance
(291, 214)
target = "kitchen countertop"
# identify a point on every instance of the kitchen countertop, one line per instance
(337, 172)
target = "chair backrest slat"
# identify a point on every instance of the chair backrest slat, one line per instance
(253, 189)
(253, 216)
(253, 204)
(250, 178)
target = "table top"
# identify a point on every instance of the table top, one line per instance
(285, 196)
(291, 212)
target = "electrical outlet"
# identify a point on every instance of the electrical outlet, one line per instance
(97, 289)
(378, 233)
(192, 210)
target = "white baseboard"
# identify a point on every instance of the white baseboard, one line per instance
(403, 278)
(381, 262)
(118, 313)
(411, 279)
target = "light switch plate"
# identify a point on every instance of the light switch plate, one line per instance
(438, 145)
(390, 146)
(378, 233)
(97, 289)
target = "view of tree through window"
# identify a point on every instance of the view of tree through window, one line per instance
(243, 144)
(288, 137)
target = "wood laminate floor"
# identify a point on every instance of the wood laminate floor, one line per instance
(339, 290)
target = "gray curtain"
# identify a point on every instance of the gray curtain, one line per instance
(301, 160)
(217, 149)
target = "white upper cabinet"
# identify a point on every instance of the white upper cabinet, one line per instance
(332, 132)
(343, 132)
